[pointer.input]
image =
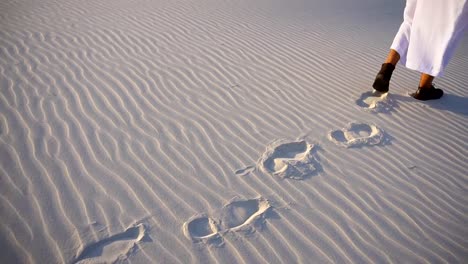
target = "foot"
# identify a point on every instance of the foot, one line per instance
(382, 80)
(430, 93)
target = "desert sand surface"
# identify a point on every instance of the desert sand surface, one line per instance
(208, 131)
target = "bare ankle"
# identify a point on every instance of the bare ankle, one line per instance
(426, 81)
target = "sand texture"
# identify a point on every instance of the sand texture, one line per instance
(207, 131)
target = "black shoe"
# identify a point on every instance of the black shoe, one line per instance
(382, 81)
(425, 94)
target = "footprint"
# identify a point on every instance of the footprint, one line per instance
(242, 214)
(357, 135)
(375, 101)
(285, 159)
(111, 249)
(200, 228)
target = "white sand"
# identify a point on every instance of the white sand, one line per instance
(223, 132)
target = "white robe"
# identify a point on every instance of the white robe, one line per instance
(428, 36)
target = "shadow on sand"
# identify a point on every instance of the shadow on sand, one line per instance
(449, 102)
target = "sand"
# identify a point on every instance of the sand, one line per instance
(224, 132)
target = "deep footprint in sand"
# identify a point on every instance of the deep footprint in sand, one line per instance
(285, 159)
(357, 135)
(375, 101)
(241, 215)
(200, 228)
(111, 249)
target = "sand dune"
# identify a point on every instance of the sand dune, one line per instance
(212, 132)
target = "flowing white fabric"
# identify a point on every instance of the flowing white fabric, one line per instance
(429, 34)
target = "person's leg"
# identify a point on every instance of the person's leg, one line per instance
(393, 57)
(398, 49)
(451, 23)
(403, 37)
(382, 80)
(425, 81)
(426, 90)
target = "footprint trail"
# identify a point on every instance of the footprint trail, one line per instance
(111, 249)
(242, 214)
(375, 101)
(200, 228)
(285, 159)
(357, 135)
